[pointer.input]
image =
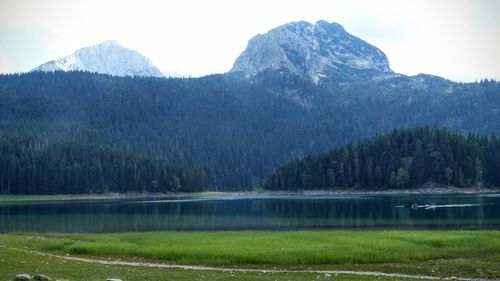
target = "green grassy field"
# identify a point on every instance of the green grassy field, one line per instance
(473, 254)
(13, 262)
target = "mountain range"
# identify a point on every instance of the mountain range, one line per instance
(300, 88)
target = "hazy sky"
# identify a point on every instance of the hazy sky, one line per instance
(456, 39)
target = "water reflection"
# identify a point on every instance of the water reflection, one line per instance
(262, 212)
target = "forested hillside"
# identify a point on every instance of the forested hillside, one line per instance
(402, 159)
(216, 125)
(231, 130)
(32, 166)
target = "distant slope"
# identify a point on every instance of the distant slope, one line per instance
(233, 130)
(401, 159)
(108, 57)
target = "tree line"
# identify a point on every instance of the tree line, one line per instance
(39, 166)
(402, 159)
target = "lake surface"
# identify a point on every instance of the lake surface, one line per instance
(255, 212)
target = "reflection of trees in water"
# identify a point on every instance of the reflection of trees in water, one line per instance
(284, 213)
(334, 212)
(481, 213)
(381, 212)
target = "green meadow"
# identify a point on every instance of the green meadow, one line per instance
(471, 254)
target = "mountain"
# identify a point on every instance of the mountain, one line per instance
(401, 159)
(327, 54)
(235, 128)
(108, 57)
(312, 51)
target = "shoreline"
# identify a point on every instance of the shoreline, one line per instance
(422, 191)
(105, 196)
(139, 195)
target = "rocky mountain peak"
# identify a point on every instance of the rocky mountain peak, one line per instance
(108, 57)
(312, 50)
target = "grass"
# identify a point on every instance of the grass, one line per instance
(104, 196)
(17, 198)
(302, 248)
(13, 262)
(437, 253)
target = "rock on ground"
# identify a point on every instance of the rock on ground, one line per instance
(41, 277)
(22, 277)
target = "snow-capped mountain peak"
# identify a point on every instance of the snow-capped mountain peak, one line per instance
(108, 57)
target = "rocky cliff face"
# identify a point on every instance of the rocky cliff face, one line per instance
(108, 57)
(310, 50)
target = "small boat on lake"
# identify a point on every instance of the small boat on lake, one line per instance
(415, 206)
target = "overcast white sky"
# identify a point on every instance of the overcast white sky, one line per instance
(456, 39)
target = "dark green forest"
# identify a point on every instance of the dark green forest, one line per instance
(41, 167)
(402, 159)
(228, 129)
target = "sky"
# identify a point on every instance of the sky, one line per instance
(455, 39)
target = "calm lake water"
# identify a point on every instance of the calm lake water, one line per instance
(255, 212)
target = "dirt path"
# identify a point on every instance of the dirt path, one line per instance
(228, 269)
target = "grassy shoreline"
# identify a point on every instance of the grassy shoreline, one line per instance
(106, 196)
(472, 254)
(145, 195)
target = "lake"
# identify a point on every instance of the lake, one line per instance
(255, 212)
